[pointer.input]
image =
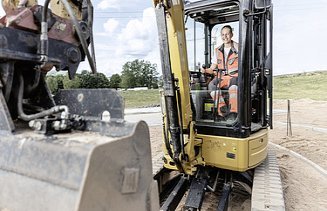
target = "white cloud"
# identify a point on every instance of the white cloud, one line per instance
(139, 36)
(137, 39)
(298, 38)
(128, 5)
(111, 25)
(105, 4)
(101, 34)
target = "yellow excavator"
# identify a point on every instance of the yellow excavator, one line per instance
(211, 144)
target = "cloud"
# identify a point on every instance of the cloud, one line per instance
(105, 4)
(119, 4)
(139, 37)
(111, 25)
(298, 39)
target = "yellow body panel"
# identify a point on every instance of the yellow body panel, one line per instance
(237, 154)
(258, 149)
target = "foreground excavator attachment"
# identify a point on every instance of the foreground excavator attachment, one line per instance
(78, 171)
(74, 151)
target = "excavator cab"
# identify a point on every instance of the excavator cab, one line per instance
(233, 103)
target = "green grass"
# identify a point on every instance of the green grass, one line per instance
(311, 85)
(141, 98)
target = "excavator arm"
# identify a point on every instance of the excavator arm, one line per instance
(179, 115)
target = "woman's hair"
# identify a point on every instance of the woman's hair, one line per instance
(227, 27)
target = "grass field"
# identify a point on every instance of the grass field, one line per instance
(311, 85)
(141, 98)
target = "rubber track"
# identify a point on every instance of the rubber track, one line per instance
(267, 191)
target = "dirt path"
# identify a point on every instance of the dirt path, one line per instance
(309, 129)
(304, 187)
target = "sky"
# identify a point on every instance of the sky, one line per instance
(125, 30)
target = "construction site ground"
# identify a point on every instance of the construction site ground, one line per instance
(305, 188)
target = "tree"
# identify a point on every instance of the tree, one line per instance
(60, 79)
(84, 80)
(115, 81)
(139, 73)
(128, 76)
(72, 84)
(97, 80)
(52, 83)
(55, 82)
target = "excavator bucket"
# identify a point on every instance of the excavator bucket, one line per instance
(107, 170)
(74, 159)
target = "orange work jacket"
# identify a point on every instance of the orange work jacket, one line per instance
(231, 65)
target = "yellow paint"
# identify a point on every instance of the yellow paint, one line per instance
(208, 106)
(249, 152)
(238, 154)
(57, 7)
(179, 66)
(9, 5)
(178, 56)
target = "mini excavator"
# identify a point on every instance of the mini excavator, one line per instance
(203, 152)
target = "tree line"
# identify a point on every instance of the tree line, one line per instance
(138, 73)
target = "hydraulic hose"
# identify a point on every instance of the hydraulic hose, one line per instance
(44, 34)
(80, 35)
(181, 122)
(169, 88)
(36, 82)
(25, 117)
(166, 140)
(90, 24)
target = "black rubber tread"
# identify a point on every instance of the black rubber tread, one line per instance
(267, 191)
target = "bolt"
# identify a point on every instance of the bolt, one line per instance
(36, 125)
(56, 125)
(73, 55)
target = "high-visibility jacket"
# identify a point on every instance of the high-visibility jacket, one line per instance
(231, 68)
(231, 65)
